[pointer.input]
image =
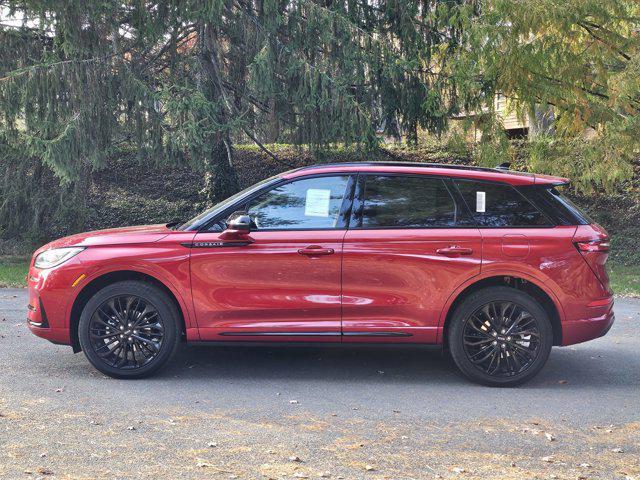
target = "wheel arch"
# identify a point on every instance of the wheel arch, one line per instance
(518, 282)
(101, 281)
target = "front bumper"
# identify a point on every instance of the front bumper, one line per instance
(58, 336)
(50, 293)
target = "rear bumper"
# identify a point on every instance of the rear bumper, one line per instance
(582, 330)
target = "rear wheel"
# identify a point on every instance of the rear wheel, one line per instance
(500, 336)
(129, 329)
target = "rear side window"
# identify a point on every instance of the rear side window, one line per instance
(407, 202)
(499, 205)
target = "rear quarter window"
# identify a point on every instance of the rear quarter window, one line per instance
(496, 205)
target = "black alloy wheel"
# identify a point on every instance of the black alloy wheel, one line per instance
(126, 331)
(500, 336)
(129, 329)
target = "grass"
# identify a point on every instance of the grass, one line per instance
(13, 271)
(625, 279)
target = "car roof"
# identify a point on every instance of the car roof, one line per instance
(456, 171)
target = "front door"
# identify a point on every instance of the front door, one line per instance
(410, 244)
(286, 284)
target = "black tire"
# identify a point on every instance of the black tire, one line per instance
(147, 329)
(484, 325)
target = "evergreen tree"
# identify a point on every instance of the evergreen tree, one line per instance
(185, 80)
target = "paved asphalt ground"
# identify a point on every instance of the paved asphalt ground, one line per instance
(307, 412)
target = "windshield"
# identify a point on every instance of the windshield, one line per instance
(197, 221)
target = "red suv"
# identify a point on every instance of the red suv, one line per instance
(494, 265)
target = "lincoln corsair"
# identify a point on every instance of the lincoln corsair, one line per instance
(495, 267)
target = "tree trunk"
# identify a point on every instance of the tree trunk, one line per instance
(221, 180)
(273, 123)
(412, 134)
(220, 177)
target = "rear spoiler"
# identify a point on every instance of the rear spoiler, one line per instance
(537, 178)
(550, 180)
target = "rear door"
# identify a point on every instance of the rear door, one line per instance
(409, 245)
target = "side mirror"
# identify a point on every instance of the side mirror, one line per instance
(240, 221)
(238, 228)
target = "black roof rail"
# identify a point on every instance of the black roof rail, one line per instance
(503, 166)
(395, 164)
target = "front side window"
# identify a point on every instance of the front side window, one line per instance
(499, 205)
(407, 202)
(311, 203)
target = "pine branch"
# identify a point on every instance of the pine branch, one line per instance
(603, 41)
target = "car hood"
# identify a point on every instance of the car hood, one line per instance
(112, 236)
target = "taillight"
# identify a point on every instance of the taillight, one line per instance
(593, 246)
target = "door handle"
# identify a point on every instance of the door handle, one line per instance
(315, 250)
(454, 250)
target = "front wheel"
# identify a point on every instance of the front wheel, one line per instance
(500, 336)
(129, 329)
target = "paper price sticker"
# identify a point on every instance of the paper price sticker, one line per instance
(317, 203)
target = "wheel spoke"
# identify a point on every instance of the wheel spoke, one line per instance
(490, 351)
(105, 336)
(479, 329)
(147, 342)
(516, 361)
(479, 342)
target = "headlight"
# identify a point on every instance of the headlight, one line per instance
(56, 256)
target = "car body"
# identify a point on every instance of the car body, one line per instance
(348, 253)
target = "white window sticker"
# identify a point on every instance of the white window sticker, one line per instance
(317, 204)
(481, 202)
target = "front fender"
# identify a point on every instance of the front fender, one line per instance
(168, 265)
